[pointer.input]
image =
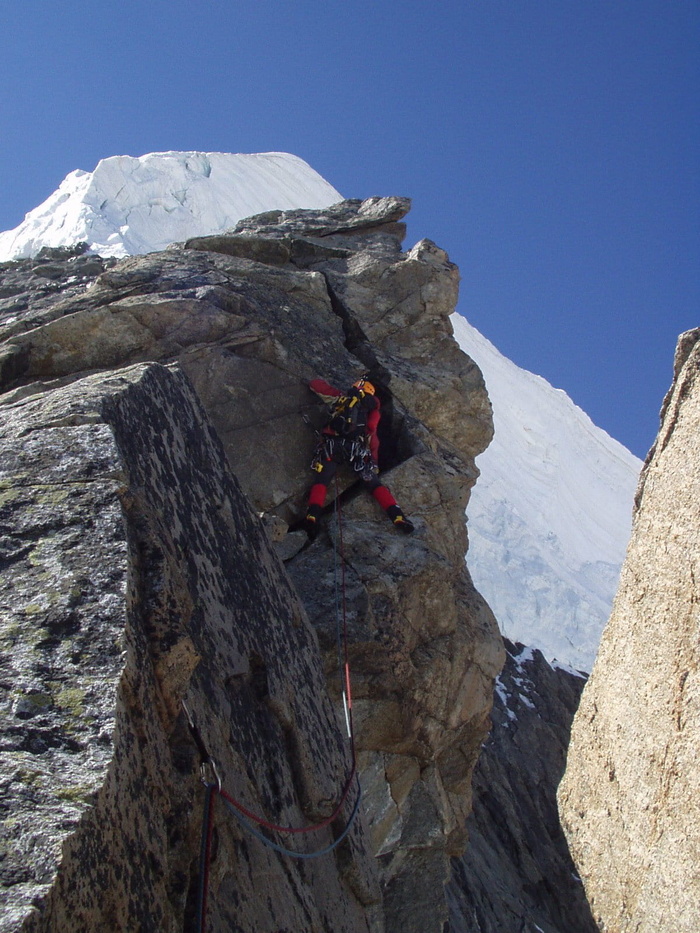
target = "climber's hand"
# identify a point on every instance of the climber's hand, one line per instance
(370, 470)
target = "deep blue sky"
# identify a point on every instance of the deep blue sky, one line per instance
(550, 146)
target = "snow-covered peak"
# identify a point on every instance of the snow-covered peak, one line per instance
(551, 514)
(137, 205)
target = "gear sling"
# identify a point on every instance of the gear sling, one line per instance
(350, 436)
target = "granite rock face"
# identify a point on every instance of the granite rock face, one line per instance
(517, 872)
(159, 430)
(182, 598)
(630, 798)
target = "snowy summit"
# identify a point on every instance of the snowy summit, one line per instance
(129, 206)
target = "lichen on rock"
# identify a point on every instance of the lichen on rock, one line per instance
(158, 431)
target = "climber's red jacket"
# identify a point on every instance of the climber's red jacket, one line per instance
(372, 406)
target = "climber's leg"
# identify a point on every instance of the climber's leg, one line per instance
(389, 504)
(317, 495)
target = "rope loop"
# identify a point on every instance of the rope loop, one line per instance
(250, 821)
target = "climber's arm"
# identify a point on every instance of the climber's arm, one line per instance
(372, 425)
(326, 391)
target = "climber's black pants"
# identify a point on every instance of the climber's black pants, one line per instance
(330, 459)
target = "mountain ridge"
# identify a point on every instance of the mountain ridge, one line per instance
(191, 367)
(550, 517)
(549, 470)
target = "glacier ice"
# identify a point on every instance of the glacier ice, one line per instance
(551, 514)
(138, 205)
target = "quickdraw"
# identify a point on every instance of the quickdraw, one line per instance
(332, 447)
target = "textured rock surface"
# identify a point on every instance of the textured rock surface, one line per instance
(248, 319)
(103, 780)
(517, 873)
(630, 798)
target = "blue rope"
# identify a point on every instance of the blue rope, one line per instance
(205, 853)
(285, 851)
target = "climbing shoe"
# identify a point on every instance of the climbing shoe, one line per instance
(399, 519)
(403, 524)
(311, 526)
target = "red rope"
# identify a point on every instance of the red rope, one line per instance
(267, 824)
(261, 821)
(212, 790)
(341, 549)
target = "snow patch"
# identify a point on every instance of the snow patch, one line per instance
(501, 692)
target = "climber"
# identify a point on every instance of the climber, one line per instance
(350, 437)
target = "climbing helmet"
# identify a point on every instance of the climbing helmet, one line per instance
(364, 386)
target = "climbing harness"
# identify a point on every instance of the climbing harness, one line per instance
(251, 822)
(348, 414)
(339, 449)
(345, 437)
